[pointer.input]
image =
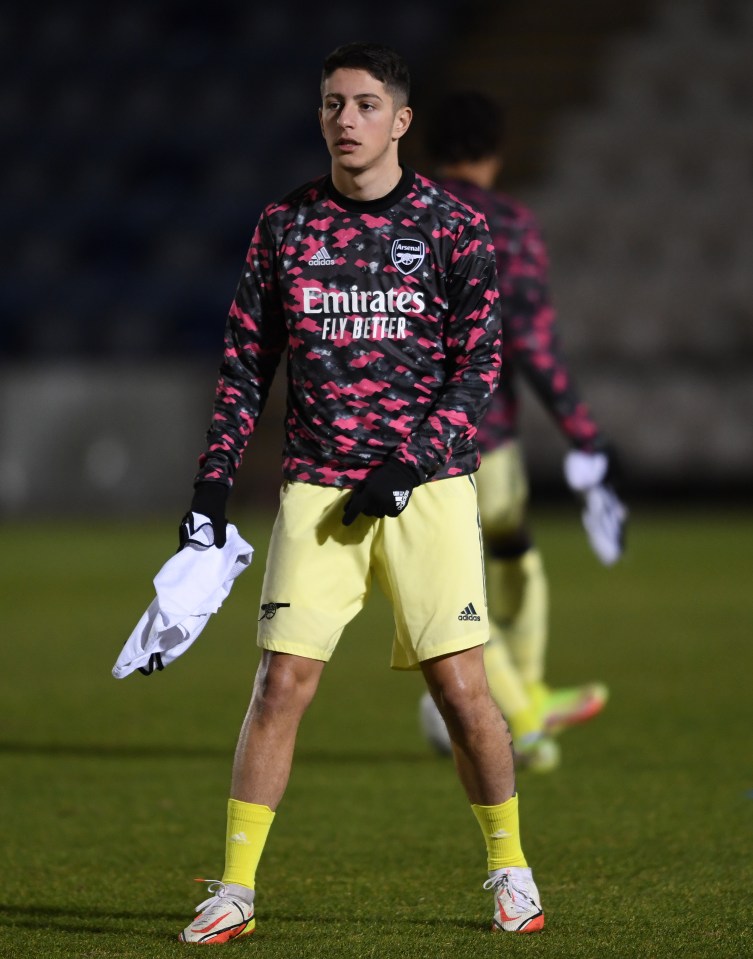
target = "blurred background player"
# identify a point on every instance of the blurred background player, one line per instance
(464, 138)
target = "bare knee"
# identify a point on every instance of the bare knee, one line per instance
(461, 692)
(284, 685)
(466, 708)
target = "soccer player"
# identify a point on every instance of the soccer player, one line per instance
(465, 139)
(381, 290)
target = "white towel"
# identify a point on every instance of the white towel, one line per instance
(190, 587)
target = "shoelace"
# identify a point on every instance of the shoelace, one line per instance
(515, 892)
(217, 890)
(498, 882)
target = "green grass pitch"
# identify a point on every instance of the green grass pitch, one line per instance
(113, 792)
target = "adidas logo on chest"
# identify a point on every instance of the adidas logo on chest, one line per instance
(321, 258)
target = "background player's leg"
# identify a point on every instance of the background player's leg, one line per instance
(519, 615)
(518, 596)
(514, 657)
(507, 687)
(519, 604)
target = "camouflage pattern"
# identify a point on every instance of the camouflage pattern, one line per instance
(531, 341)
(388, 312)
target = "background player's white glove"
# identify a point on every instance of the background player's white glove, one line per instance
(604, 515)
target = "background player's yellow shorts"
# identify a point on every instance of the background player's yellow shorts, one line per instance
(428, 561)
(502, 490)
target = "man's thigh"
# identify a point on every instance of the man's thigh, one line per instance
(318, 572)
(429, 562)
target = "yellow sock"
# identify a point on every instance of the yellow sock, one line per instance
(501, 830)
(505, 684)
(528, 633)
(538, 693)
(247, 829)
(525, 723)
(519, 604)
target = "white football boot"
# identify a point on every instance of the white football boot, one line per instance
(517, 903)
(222, 917)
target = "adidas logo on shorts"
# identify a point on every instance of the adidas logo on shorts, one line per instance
(321, 258)
(470, 614)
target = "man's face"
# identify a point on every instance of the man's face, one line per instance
(359, 120)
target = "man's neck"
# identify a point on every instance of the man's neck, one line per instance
(364, 185)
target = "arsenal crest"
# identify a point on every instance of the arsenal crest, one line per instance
(408, 255)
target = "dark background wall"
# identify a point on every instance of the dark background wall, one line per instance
(138, 144)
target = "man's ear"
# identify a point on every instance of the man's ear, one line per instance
(403, 119)
(321, 121)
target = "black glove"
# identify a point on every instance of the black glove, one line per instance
(384, 492)
(209, 499)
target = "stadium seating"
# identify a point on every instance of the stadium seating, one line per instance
(649, 204)
(138, 145)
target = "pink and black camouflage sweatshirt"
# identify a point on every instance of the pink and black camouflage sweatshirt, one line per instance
(531, 341)
(388, 311)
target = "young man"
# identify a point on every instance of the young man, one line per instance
(381, 289)
(465, 138)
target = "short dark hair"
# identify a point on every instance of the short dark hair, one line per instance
(383, 63)
(464, 125)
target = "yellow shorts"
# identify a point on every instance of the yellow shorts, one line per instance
(428, 561)
(502, 490)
